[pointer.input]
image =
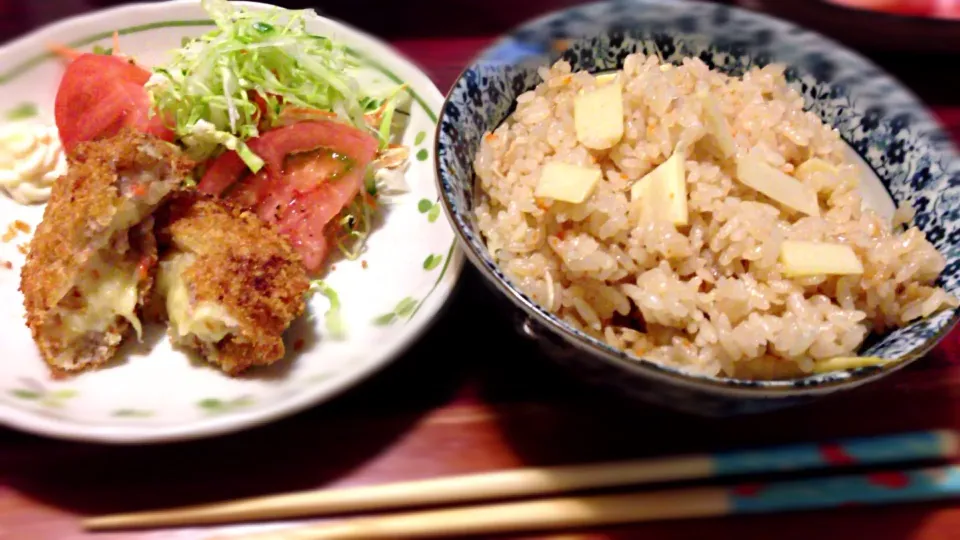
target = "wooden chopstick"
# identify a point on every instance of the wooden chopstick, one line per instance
(540, 481)
(536, 515)
(603, 510)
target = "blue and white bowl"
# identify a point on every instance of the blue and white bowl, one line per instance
(882, 121)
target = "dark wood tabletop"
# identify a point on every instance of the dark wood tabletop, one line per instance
(496, 404)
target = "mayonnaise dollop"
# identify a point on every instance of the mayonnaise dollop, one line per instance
(31, 160)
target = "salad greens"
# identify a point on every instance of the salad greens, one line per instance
(258, 70)
(356, 223)
(332, 317)
(217, 86)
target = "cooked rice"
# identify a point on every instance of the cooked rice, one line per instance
(709, 298)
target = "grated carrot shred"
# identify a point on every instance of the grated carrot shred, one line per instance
(63, 51)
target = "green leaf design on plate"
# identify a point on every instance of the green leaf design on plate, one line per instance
(434, 213)
(22, 111)
(405, 307)
(214, 405)
(424, 206)
(132, 413)
(422, 154)
(66, 393)
(420, 137)
(242, 401)
(210, 404)
(432, 261)
(35, 391)
(385, 319)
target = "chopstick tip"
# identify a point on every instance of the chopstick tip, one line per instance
(91, 523)
(109, 522)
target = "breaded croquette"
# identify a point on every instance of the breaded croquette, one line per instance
(90, 263)
(230, 283)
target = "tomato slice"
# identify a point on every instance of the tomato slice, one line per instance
(114, 67)
(290, 115)
(304, 221)
(313, 170)
(273, 197)
(252, 191)
(221, 173)
(100, 94)
(103, 115)
(275, 145)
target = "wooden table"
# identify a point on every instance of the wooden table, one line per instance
(444, 409)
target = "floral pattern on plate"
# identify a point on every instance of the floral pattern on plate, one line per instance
(154, 392)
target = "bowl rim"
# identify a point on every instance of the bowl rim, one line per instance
(810, 385)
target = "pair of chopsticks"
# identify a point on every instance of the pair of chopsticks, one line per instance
(596, 510)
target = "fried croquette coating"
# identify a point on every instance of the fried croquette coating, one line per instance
(231, 285)
(90, 263)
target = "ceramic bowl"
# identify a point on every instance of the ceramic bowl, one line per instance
(911, 158)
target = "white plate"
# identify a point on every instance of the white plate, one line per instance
(154, 392)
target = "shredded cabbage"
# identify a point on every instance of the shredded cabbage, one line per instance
(332, 317)
(210, 87)
(356, 223)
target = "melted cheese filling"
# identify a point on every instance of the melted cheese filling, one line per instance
(108, 291)
(107, 288)
(207, 321)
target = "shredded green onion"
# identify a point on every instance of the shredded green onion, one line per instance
(386, 122)
(332, 318)
(356, 222)
(370, 104)
(211, 86)
(370, 183)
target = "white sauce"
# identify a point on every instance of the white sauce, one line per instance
(391, 182)
(31, 160)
